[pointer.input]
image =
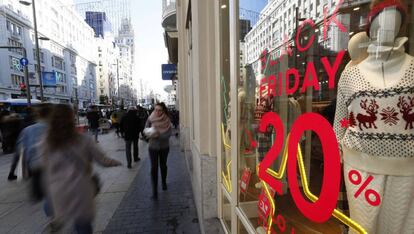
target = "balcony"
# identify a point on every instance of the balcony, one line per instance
(169, 23)
(169, 12)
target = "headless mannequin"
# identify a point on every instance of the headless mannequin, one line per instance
(383, 68)
(386, 51)
(357, 48)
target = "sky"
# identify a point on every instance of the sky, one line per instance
(150, 50)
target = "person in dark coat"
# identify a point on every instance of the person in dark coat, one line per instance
(10, 127)
(130, 127)
(93, 119)
(143, 116)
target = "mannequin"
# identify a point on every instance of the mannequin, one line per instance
(380, 142)
(357, 48)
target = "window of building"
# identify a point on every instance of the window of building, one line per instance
(12, 42)
(16, 80)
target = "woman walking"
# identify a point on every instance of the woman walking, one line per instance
(68, 158)
(159, 145)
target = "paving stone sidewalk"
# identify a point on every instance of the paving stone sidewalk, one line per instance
(19, 215)
(173, 212)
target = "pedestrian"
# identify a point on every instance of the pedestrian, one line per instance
(130, 127)
(143, 116)
(10, 126)
(159, 145)
(93, 119)
(115, 122)
(28, 140)
(67, 160)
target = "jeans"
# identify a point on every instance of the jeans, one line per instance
(134, 143)
(161, 156)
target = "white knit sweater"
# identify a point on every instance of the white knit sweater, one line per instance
(380, 135)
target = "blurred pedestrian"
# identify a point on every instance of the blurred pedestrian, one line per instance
(93, 117)
(67, 157)
(130, 127)
(115, 122)
(159, 146)
(28, 140)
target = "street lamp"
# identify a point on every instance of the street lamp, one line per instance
(117, 75)
(39, 73)
(26, 72)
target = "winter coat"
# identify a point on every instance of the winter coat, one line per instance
(93, 118)
(69, 186)
(131, 125)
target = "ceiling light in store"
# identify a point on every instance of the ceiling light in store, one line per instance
(356, 8)
(223, 6)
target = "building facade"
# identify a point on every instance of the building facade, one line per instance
(125, 43)
(262, 139)
(66, 54)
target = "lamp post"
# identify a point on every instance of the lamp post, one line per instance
(117, 76)
(38, 70)
(26, 72)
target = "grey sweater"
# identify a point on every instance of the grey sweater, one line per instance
(160, 142)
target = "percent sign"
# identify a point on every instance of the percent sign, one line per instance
(357, 181)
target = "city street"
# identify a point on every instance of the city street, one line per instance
(19, 215)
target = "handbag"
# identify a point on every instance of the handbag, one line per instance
(151, 132)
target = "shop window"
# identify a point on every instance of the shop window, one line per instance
(368, 111)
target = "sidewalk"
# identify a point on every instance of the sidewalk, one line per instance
(19, 215)
(173, 212)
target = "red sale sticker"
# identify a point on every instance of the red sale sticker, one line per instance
(245, 179)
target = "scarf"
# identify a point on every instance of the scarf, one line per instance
(160, 123)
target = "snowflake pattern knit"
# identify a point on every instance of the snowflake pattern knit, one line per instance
(381, 121)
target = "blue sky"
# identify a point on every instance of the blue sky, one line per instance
(250, 9)
(253, 5)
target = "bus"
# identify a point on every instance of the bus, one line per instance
(18, 106)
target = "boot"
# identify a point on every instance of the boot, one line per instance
(11, 177)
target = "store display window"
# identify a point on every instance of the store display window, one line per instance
(325, 110)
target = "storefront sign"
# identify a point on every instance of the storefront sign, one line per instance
(264, 206)
(15, 62)
(49, 78)
(169, 71)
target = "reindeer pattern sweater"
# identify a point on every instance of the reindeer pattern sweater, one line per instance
(375, 127)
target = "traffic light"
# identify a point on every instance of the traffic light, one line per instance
(23, 91)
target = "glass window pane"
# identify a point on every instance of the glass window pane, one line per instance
(226, 212)
(353, 81)
(225, 93)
